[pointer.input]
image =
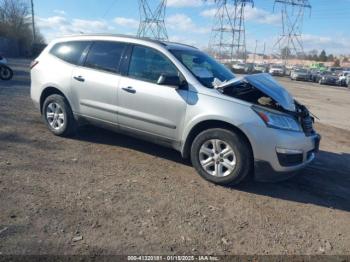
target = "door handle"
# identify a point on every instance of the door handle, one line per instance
(129, 89)
(79, 78)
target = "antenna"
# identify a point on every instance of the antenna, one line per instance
(290, 41)
(152, 22)
(228, 32)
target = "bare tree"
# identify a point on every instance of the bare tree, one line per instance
(15, 24)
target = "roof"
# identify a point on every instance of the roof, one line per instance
(168, 44)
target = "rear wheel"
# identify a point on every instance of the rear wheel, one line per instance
(58, 116)
(222, 156)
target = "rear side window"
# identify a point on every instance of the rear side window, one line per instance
(70, 51)
(105, 56)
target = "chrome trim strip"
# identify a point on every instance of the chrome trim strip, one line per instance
(130, 116)
(99, 108)
(148, 120)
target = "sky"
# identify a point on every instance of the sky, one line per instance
(326, 25)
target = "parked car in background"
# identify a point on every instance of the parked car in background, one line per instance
(300, 74)
(327, 78)
(320, 67)
(261, 68)
(238, 68)
(277, 70)
(336, 70)
(249, 68)
(348, 80)
(177, 96)
(314, 75)
(3, 60)
(342, 79)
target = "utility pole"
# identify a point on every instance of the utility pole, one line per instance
(256, 45)
(33, 21)
(264, 51)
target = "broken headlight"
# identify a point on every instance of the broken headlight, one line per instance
(278, 120)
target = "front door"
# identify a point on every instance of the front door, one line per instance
(143, 104)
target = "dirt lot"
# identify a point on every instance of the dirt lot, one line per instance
(118, 195)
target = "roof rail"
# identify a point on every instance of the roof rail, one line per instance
(118, 35)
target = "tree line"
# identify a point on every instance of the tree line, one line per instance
(15, 24)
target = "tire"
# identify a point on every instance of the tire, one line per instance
(56, 108)
(218, 173)
(6, 73)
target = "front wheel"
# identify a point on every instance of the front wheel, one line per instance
(222, 157)
(6, 73)
(58, 116)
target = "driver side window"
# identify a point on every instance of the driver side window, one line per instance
(148, 65)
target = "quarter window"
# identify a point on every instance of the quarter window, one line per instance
(105, 56)
(70, 51)
(148, 65)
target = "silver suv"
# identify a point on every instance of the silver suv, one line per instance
(178, 96)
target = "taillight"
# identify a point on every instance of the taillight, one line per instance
(33, 64)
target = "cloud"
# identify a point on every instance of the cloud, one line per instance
(182, 22)
(126, 22)
(60, 12)
(184, 3)
(57, 26)
(251, 14)
(334, 44)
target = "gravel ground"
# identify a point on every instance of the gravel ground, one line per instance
(104, 193)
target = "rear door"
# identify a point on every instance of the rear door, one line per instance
(95, 82)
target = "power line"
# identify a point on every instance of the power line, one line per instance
(110, 7)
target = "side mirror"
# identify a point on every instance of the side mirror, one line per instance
(167, 80)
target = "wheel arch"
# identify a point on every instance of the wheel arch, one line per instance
(209, 124)
(48, 91)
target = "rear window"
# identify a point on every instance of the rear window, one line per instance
(105, 56)
(69, 51)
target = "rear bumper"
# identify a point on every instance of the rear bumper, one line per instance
(276, 73)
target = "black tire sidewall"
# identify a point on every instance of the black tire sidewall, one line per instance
(9, 77)
(242, 151)
(67, 126)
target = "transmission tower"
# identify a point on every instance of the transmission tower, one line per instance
(290, 41)
(152, 20)
(228, 33)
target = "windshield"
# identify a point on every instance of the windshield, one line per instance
(277, 66)
(301, 70)
(203, 67)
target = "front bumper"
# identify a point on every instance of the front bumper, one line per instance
(279, 153)
(301, 77)
(265, 172)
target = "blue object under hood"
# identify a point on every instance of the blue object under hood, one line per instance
(269, 86)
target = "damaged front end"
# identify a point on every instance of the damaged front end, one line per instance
(267, 97)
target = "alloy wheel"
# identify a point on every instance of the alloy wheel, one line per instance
(55, 116)
(217, 158)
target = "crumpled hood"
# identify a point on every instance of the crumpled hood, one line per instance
(266, 84)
